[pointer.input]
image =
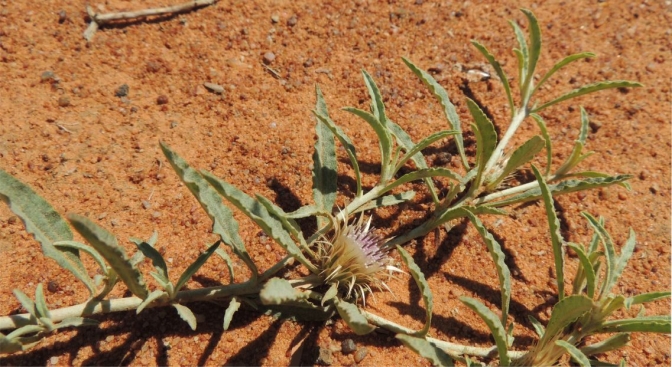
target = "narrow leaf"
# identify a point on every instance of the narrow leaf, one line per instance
(448, 108)
(519, 157)
(538, 327)
(522, 54)
(424, 143)
(646, 297)
(609, 252)
(88, 249)
(24, 330)
(223, 223)
(498, 258)
(355, 320)
(324, 162)
(186, 315)
(586, 270)
(547, 140)
(420, 280)
(193, 268)
(426, 350)
(153, 296)
(589, 89)
(564, 313)
(621, 261)
(289, 224)
(644, 324)
(567, 60)
(106, 244)
(157, 260)
(377, 105)
(534, 50)
(573, 351)
(500, 72)
(422, 173)
(77, 322)
(41, 303)
(387, 200)
(614, 342)
(234, 305)
(575, 157)
(258, 213)
(486, 139)
(44, 223)
(556, 239)
(384, 140)
(329, 294)
(494, 324)
(27, 303)
(227, 260)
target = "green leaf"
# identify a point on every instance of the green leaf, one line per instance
(157, 260)
(424, 143)
(609, 252)
(9, 346)
(351, 315)
(577, 355)
(585, 270)
(621, 261)
(547, 140)
(384, 141)
(556, 239)
(498, 258)
(44, 223)
(575, 157)
(153, 296)
(645, 297)
(486, 140)
(589, 89)
(76, 322)
(538, 327)
(234, 305)
(27, 303)
(258, 213)
(420, 280)
(288, 223)
(519, 157)
(279, 291)
(500, 72)
(138, 256)
(377, 105)
(41, 303)
(186, 315)
(614, 342)
(422, 173)
(106, 244)
(494, 324)
(567, 60)
(347, 145)
(426, 350)
(563, 187)
(387, 200)
(329, 294)
(223, 223)
(227, 260)
(534, 51)
(448, 108)
(324, 162)
(644, 324)
(193, 268)
(88, 249)
(564, 313)
(24, 330)
(522, 54)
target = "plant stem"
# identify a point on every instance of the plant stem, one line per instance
(518, 118)
(452, 349)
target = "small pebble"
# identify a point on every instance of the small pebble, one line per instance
(122, 91)
(325, 358)
(292, 21)
(62, 17)
(348, 346)
(161, 100)
(52, 286)
(308, 63)
(146, 204)
(215, 88)
(654, 188)
(622, 196)
(64, 101)
(47, 76)
(269, 57)
(361, 354)
(53, 361)
(173, 124)
(275, 18)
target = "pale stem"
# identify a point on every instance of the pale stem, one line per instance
(511, 191)
(499, 151)
(452, 349)
(359, 201)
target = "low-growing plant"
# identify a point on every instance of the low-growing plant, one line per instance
(343, 259)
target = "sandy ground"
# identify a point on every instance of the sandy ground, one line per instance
(89, 151)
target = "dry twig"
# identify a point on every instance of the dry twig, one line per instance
(100, 19)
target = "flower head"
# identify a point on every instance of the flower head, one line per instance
(353, 258)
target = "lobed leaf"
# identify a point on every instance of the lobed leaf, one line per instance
(576, 353)
(621, 261)
(324, 162)
(234, 305)
(611, 343)
(609, 253)
(193, 268)
(534, 52)
(486, 140)
(106, 244)
(186, 315)
(258, 213)
(644, 324)
(224, 224)
(351, 315)
(45, 224)
(420, 280)
(556, 238)
(500, 72)
(494, 324)
(279, 291)
(448, 108)
(589, 89)
(645, 297)
(426, 350)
